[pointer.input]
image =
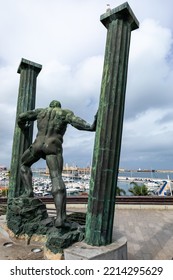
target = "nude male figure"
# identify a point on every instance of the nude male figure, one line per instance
(52, 124)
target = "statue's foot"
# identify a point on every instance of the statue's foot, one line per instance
(59, 223)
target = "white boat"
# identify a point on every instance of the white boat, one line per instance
(162, 188)
(72, 191)
(152, 184)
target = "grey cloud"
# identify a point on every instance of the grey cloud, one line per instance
(70, 44)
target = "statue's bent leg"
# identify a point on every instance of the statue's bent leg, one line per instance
(26, 174)
(55, 164)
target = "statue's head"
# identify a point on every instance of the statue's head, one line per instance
(54, 104)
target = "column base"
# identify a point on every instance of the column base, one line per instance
(82, 251)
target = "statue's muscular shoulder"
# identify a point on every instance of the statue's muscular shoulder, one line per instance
(41, 113)
(63, 114)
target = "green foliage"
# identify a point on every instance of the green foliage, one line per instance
(120, 191)
(139, 190)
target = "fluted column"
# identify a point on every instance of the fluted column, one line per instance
(101, 205)
(28, 71)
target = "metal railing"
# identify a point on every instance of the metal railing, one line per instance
(153, 200)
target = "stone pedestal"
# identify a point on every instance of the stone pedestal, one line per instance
(82, 251)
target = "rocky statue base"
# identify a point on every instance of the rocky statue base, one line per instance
(28, 216)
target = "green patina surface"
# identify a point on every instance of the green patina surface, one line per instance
(101, 205)
(59, 239)
(28, 71)
(29, 216)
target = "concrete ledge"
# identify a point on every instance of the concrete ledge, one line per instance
(144, 206)
(82, 251)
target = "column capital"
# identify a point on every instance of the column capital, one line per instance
(24, 64)
(121, 12)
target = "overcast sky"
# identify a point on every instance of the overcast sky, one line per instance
(68, 40)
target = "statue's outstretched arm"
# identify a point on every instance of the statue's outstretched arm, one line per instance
(81, 124)
(24, 118)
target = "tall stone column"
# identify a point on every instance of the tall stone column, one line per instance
(101, 205)
(28, 71)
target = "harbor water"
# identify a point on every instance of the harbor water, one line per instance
(125, 180)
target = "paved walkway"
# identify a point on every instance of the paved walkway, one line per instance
(149, 233)
(149, 236)
(15, 249)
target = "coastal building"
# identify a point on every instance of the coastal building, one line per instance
(74, 170)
